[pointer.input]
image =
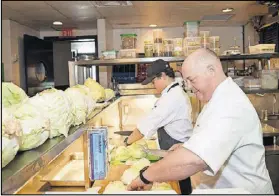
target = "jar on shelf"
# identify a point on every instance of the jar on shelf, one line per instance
(191, 28)
(158, 36)
(214, 42)
(205, 39)
(129, 41)
(177, 47)
(158, 49)
(148, 49)
(168, 47)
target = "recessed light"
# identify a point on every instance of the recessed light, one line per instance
(57, 23)
(152, 25)
(227, 10)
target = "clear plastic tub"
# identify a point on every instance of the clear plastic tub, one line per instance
(205, 39)
(214, 41)
(148, 49)
(168, 47)
(127, 53)
(158, 49)
(191, 28)
(269, 79)
(190, 49)
(262, 48)
(129, 41)
(177, 47)
(192, 41)
(158, 36)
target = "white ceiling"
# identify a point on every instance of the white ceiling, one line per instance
(39, 15)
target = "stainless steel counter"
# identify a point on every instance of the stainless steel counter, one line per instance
(26, 164)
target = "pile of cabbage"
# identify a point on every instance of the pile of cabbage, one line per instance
(28, 122)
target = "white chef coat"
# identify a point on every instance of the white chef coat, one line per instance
(171, 111)
(228, 137)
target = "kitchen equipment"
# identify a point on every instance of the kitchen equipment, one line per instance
(158, 36)
(129, 41)
(262, 48)
(148, 49)
(205, 39)
(178, 47)
(269, 79)
(252, 83)
(168, 47)
(123, 133)
(191, 28)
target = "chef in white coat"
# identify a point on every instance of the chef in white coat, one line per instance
(226, 145)
(171, 115)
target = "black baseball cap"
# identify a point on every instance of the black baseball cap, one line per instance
(156, 67)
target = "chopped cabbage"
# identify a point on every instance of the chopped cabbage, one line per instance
(35, 126)
(11, 129)
(141, 164)
(109, 94)
(136, 151)
(129, 175)
(79, 105)
(161, 186)
(91, 103)
(114, 187)
(12, 96)
(121, 153)
(57, 107)
(151, 157)
(98, 92)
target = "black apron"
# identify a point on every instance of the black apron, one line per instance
(166, 142)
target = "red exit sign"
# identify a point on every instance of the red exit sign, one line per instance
(67, 33)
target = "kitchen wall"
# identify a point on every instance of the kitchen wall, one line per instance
(13, 57)
(76, 32)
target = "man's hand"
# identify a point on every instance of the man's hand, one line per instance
(138, 185)
(175, 146)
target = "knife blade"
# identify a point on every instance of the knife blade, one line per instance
(124, 133)
(159, 153)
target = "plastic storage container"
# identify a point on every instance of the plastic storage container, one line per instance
(192, 41)
(158, 49)
(205, 39)
(262, 48)
(129, 41)
(127, 53)
(191, 28)
(148, 49)
(214, 42)
(168, 47)
(252, 83)
(158, 36)
(177, 47)
(269, 79)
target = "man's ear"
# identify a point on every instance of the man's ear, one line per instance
(211, 70)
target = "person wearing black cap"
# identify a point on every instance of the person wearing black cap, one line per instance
(171, 115)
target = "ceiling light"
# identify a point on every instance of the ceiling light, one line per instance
(57, 23)
(227, 10)
(152, 25)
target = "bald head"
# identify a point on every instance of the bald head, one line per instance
(203, 71)
(202, 59)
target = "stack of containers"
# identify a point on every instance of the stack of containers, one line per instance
(205, 39)
(148, 48)
(129, 45)
(158, 42)
(168, 47)
(192, 40)
(177, 47)
(214, 44)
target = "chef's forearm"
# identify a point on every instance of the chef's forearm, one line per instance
(135, 136)
(177, 165)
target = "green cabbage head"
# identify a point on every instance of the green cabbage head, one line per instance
(98, 92)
